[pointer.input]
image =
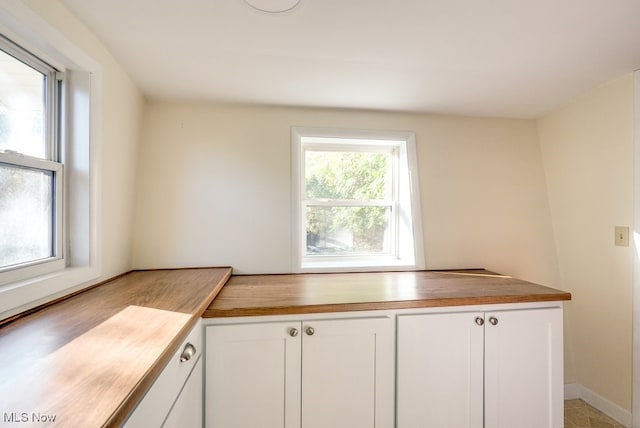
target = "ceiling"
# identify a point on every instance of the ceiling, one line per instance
(502, 58)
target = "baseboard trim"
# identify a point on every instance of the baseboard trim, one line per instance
(573, 391)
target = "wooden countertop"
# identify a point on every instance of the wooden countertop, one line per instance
(248, 295)
(89, 359)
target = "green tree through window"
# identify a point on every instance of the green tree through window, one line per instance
(350, 201)
(355, 200)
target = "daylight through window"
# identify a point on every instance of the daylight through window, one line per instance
(31, 174)
(349, 200)
(352, 199)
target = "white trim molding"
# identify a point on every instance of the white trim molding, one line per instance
(574, 391)
(82, 128)
(635, 391)
(406, 247)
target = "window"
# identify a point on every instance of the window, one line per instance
(31, 171)
(355, 204)
(50, 98)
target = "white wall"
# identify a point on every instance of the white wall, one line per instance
(121, 106)
(588, 153)
(214, 188)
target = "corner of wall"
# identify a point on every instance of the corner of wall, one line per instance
(636, 259)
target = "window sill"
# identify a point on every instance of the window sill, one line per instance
(359, 266)
(22, 295)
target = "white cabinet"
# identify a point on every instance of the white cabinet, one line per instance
(440, 370)
(524, 385)
(187, 410)
(498, 369)
(175, 398)
(253, 375)
(300, 373)
(347, 373)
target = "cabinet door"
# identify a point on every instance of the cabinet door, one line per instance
(440, 370)
(159, 399)
(187, 410)
(347, 373)
(524, 369)
(253, 376)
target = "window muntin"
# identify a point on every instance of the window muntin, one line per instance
(338, 222)
(31, 173)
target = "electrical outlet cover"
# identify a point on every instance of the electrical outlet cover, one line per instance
(622, 236)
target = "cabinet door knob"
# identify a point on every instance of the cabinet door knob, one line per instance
(293, 332)
(309, 330)
(187, 353)
(493, 320)
(479, 320)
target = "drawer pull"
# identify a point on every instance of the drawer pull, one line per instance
(187, 353)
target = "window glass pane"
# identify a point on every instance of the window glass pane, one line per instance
(347, 175)
(22, 99)
(26, 215)
(348, 230)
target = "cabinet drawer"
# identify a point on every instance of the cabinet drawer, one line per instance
(155, 405)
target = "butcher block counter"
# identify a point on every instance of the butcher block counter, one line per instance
(249, 295)
(86, 361)
(406, 349)
(89, 359)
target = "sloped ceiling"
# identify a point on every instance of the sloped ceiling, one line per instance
(503, 58)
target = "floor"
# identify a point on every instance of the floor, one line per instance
(578, 414)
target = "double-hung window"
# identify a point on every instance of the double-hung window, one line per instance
(50, 98)
(355, 200)
(31, 171)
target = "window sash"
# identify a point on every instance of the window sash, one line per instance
(349, 145)
(52, 92)
(24, 161)
(52, 134)
(406, 209)
(56, 261)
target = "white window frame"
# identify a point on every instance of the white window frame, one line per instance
(50, 163)
(79, 148)
(407, 252)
